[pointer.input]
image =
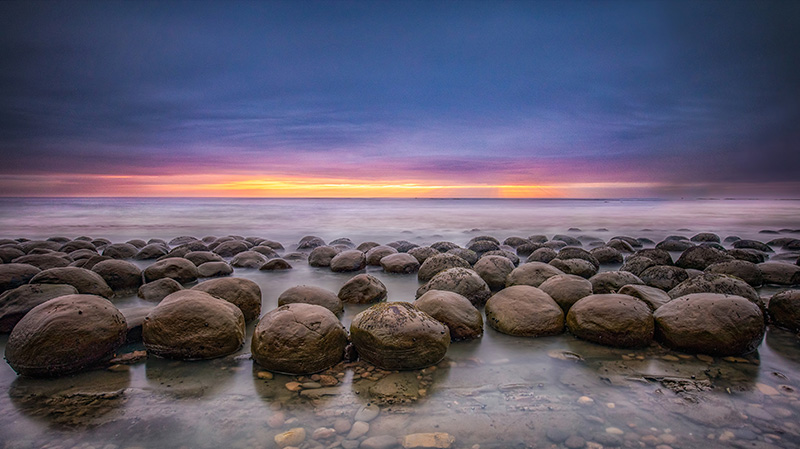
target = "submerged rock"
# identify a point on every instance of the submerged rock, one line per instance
(665, 277)
(612, 281)
(464, 321)
(700, 257)
(524, 311)
(494, 270)
(276, 265)
(377, 253)
(532, 273)
(612, 319)
(309, 294)
(215, 269)
(780, 273)
(321, 256)
(350, 260)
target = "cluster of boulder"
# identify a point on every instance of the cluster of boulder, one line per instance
(690, 294)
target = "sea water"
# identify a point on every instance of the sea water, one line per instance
(498, 391)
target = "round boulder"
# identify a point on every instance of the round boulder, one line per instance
(215, 269)
(398, 336)
(612, 281)
(779, 273)
(363, 289)
(524, 311)
(120, 251)
(65, 335)
(12, 275)
(321, 256)
(438, 263)
(276, 265)
(309, 294)
(455, 311)
(665, 277)
(578, 267)
(544, 255)
(566, 289)
(422, 252)
(784, 308)
(715, 283)
(159, 289)
(742, 269)
(400, 263)
(700, 257)
(377, 253)
(653, 297)
(710, 323)
(176, 268)
(299, 339)
(192, 325)
(248, 259)
(44, 261)
(85, 281)
(151, 251)
(462, 281)
(494, 270)
(121, 275)
(350, 260)
(532, 273)
(14, 304)
(612, 319)
(607, 255)
(243, 293)
(200, 257)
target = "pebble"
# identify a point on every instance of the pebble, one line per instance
(767, 390)
(705, 358)
(327, 380)
(367, 413)
(667, 438)
(266, 375)
(294, 386)
(292, 437)
(342, 425)
(670, 358)
(575, 442)
(438, 440)
(614, 430)
(350, 444)
(650, 440)
(557, 435)
(585, 400)
(358, 430)
(611, 405)
(727, 436)
(593, 445)
(323, 433)
(276, 420)
(379, 442)
(663, 446)
(311, 385)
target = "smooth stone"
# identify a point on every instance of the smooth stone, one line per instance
(612, 281)
(653, 297)
(157, 290)
(612, 319)
(439, 440)
(606, 255)
(121, 275)
(784, 309)
(464, 321)
(367, 413)
(44, 261)
(463, 281)
(362, 289)
(12, 275)
(243, 293)
(742, 269)
(87, 282)
(120, 251)
(151, 251)
(494, 270)
(14, 304)
(664, 277)
(438, 263)
(248, 259)
(524, 311)
(215, 269)
(359, 429)
(532, 273)
(566, 289)
(276, 265)
(309, 294)
(350, 260)
(421, 253)
(379, 442)
(543, 255)
(200, 257)
(400, 263)
(375, 254)
(292, 437)
(321, 256)
(176, 268)
(230, 248)
(700, 257)
(779, 273)
(715, 283)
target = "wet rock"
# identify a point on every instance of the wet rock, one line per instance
(752, 244)
(265, 251)
(612, 281)
(503, 253)
(403, 246)
(462, 281)
(157, 290)
(396, 388)
(514, 241)
(715, 283)
(122, 276)
(367, 413)
(396, 335)
(379, 442)
(120, 251)
(444, 247)
(276, 265)
(65, 335)
(483, 246)
(375, 254)
(138, 243)
(421, 253)
(230, 248)
(780, 273)
(705, 237)
(532, 273)
(44, 261)
(700, 257)
(543, 255)
(359, 429)
(750, 255)
(308, 294)
(606, 255)
(134, 317)
(176, 268)
(622, 245)
(612, 319)
(15, 303)
(674, 245)
(151, 251)
(578, 267)
(12, 275)
(85, 281)
(438, 263)
(350, 260)
(363, 289)
(653, 297)
(467, 254)
(243, 293)
(464, 321)
(191, 325)
(659, 256)
(784, 309)
(746, 271)
(665, 277)
(292, 437)
(200, 257)
(8, 253)
(494, 270)
(428, 440)
(578, 253)
(321, 256)
(299, 339)
(526, 249)
(710, 323)
(566, 289)
(248, 259)
(524, 311)
(401, 263)
(569, 240)
(215, 269)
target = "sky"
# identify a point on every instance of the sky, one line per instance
(566, 99)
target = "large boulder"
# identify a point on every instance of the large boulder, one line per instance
(243, 293)
(742, 269)
(421, 253)
(400, 263)
(612, 281)
(299, 339)
(438, 263)
(784, 309)
(159, 289)
(780, 273)
(277, 264)
(350, 260)
(151, 251)
(659, 256)
(192, 325)
(462, 281)
(64, 335)
(176, 268)
(398, 336)
(705, 237)
(14, 304)
(120, 251)
(248, 259)
(607, 255)
(700, 257)
(524, 311)
(665, 277)
(309, 294)
(752, 244)
(578, 267)
(122, 276)
(363, 289)
(377, 253)
(710, 323)
(532, 273)
(467, 254)
(9, 253)
(544, 255)
(652, 296)
(750, 255)
(216, 269)
(715, 283)
(566, 289)
(310, 242)
(578, 253)
(464, 321)
(12, 275)
(200, 257)
(612, 319)
(85, 281)
(494, 270)
(321, 256)
(44, 261)
(231, 248)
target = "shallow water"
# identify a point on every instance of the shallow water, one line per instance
(499, 391)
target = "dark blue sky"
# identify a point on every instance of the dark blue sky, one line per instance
(673, 97)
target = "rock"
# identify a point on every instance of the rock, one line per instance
(514, 241)
(151, 251)
(524, 311)
(422, 253)
(784, 309)
(700, 257)
(120, 251)
(312, 295)
(705, 237)
(612, 281)
(200, 257)
(379, 442)
(750, 255)
(566, 289)
(138, 243)
(622, 245)
(321, 256)
(276, 265)
(444, 247)
(359, 429)
(752, 244)
(578, 267)
(292, 437)
(230, 248)
(44, 261)
(659, 256)
(176, 268)
(64, 335)
(134, 317)
(578, 253)
(423, 440)
(216, 269)
(14, 304)
(438, 263)
(299, 339)
(396, 335)
(323, 433)
(85, 281)
(574, 442)
(607, 255)
(248, 259)
(653, 297)
(715, 283)
(377, 253)
(191, 325)
(464, 321)
(159, 289)
(612, 319)
(710, 323)
(569, 240)
(350, 260)
(526, 249)
(462, 281)
(89, 263)
(665, 277)
(367, 413)
(122, 276)
(780, 273)
(483, 246)
(243, 293)
(12, 275)
(503, 253)
(532, 273)
(363, 289)
(746, 271)
(402, 263)
(674, 245)
(403, 246)
(9, 253)
(396, 388)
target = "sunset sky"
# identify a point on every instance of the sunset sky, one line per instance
(400, 98)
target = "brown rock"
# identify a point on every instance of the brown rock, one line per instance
(464, 321)
(494, 270)
(159, 289)
(312, 295)
(462, 281)
(122, 276)
(524, 311)
(243, 293)
(401, 263)
(14, 304)
(566, 289)
(438, 263)
(363, 289)
(12, 275)
(176, 268)
(612, 319)
(85, 281)
(350, 260)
